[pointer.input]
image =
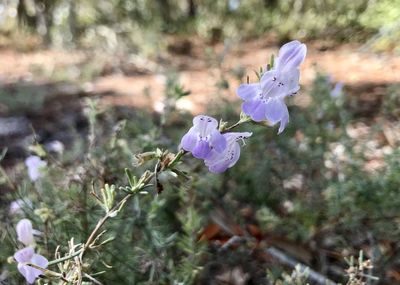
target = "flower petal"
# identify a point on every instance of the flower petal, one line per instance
(25, 232)
(236, 136)
(284, 122)
(204, 125)
(248, 107)
(278, 85)
(29, 273)
(275, 110)
(25, 271)
(24, 255)
(291, 55)
(291, 81)
(218, 141)
(201, 150)
(189, 140)
(268, 80)
(28, 255)
(248, 91)
(337, 90)
(16, 207)
(219, 167)
(218, 163)
(39, 260)
(255, 109)
(34, 165)
(234, 155)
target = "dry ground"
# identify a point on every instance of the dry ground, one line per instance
(140, 82)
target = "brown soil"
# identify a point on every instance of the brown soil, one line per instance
(350, 64)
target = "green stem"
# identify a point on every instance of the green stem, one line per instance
(65, 257)
(110, 213)
(99, 224)
(238, 123)
(177, 158)
(8, 179)
(103, 220)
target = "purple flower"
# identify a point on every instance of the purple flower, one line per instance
(28, 255)
(337, 90)
(233, 5)
(203, 137)
(265, 100)
(25, 232)
(219, 162)
(16, 206)
(34, 165)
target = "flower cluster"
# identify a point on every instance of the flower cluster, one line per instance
(204, 141)
(262, 101)
(26, 255)
(265, 100)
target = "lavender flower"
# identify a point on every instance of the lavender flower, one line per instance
(16, 206)
(233, 5)
(265, 100)
(34, 165)
(25, 232)
(219, 162)
(203, 137)
(28, 255)
(337, 90)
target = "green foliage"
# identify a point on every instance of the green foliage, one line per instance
(141, 25)
(308, 185)
(391, 104)
(381, 14)
(22, 97)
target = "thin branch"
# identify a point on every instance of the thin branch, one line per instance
(94, 280)
(12, 185)
(291, 262)
(47, 272)
(65, 257)
(111, 213)
(232, 241)
(238, 123)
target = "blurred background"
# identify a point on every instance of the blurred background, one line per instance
(87, 84)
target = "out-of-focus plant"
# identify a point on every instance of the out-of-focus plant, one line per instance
(383, 16)
(139, 25)
(298, 276)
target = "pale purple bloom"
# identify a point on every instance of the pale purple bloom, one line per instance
(219, 162)
(16, 206)
(265, 100)
(55, 146)
(337, 90)
(34, 165)
(233, 5)
(25, 232)
(28, 255)
(203, 137)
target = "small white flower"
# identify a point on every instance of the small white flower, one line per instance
(34, 165)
